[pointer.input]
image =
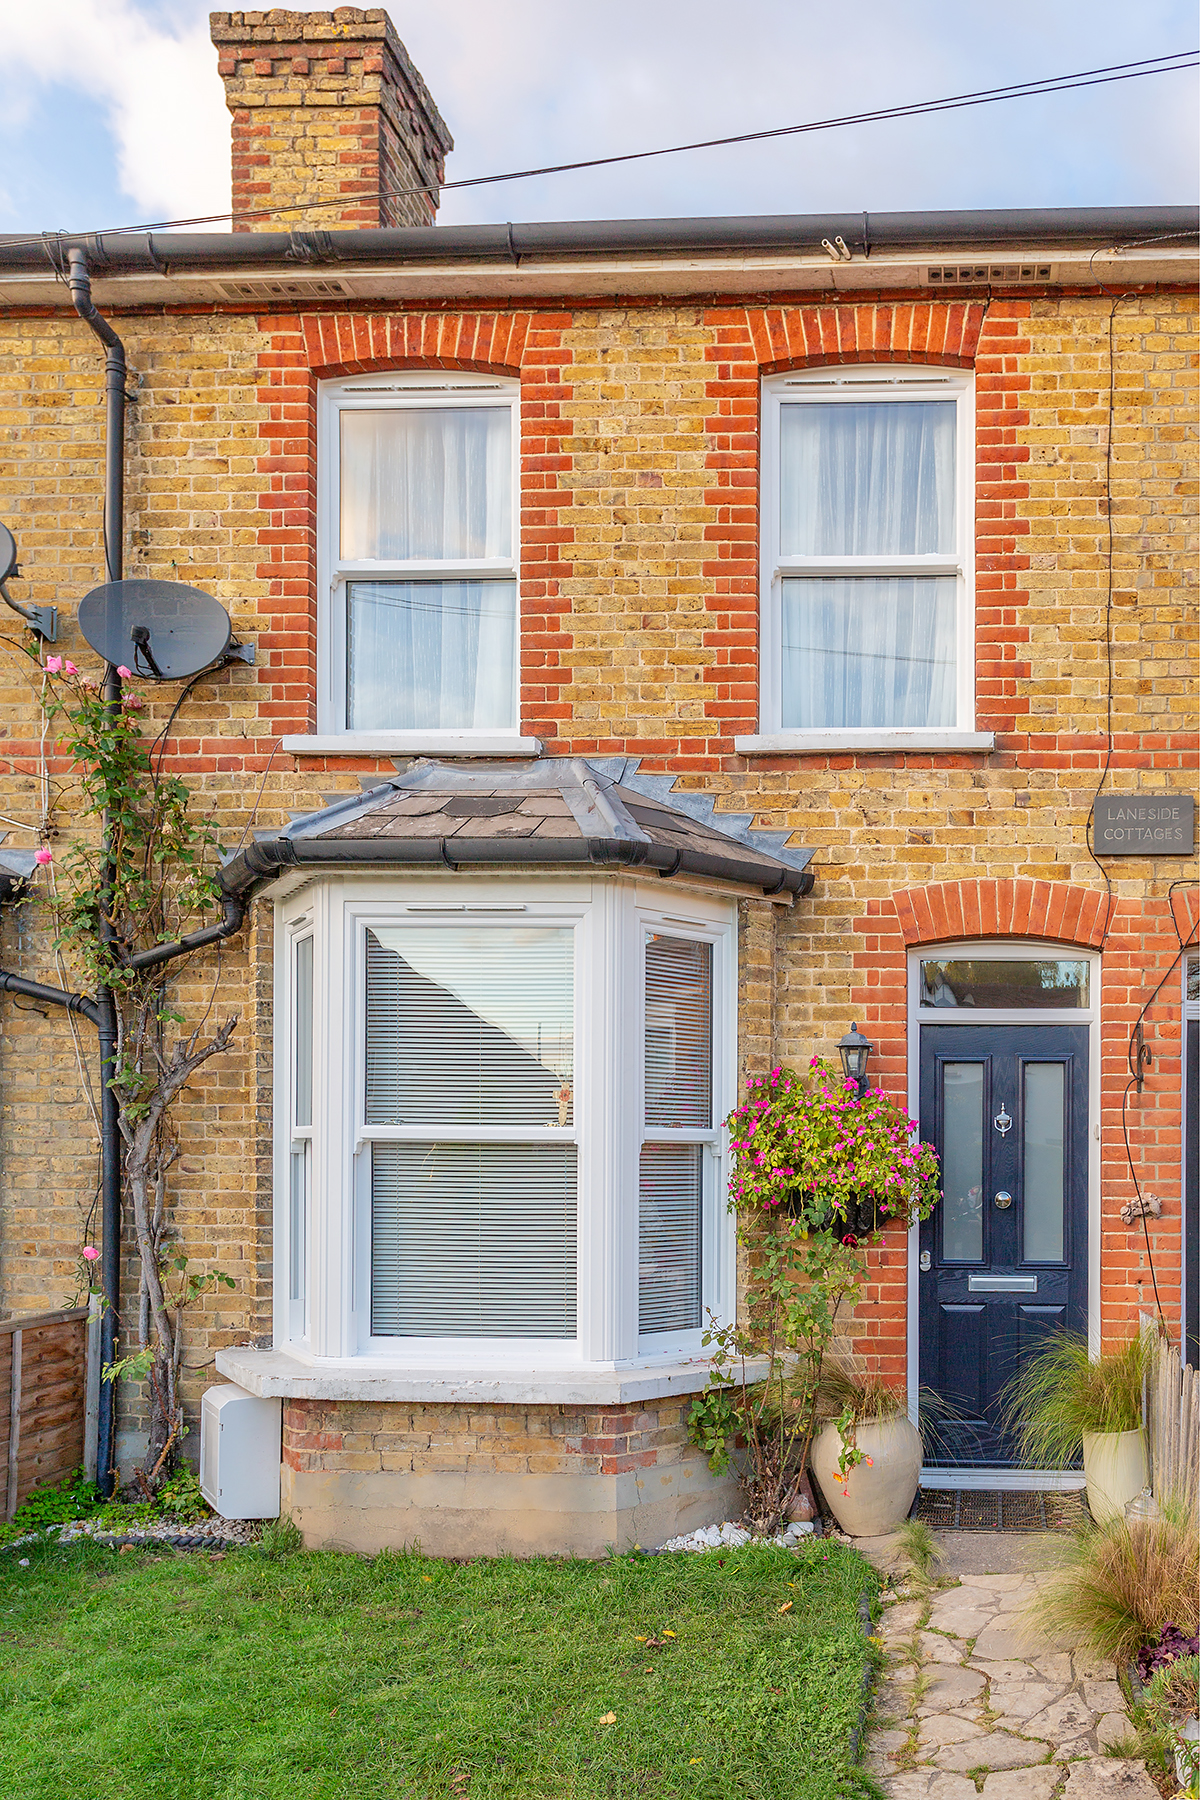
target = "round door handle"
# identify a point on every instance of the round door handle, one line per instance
(1003, 1200)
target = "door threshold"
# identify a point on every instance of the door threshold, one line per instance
(1046, 1481)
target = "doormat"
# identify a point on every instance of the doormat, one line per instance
(1000, 1509)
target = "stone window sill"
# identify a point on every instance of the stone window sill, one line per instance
(412, 743)
(857, 743)
(272, 1373)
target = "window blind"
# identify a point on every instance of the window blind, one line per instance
(469, 1026)
(669, 1267)
(678, 1032)
(473, 1240)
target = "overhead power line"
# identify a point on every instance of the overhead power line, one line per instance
(1021, 90)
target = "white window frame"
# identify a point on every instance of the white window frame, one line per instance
(886, 382)
(610, 919)
(436, 389)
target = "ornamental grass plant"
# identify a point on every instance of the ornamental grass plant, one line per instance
(1063, 1392)
(1121, 1583)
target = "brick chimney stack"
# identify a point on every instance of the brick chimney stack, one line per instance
(328, 107)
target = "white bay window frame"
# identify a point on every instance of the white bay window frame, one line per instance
(610, 919)
(427, 389)
(886, 384)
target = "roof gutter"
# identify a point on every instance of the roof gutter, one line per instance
(167, 253)
(262, 861)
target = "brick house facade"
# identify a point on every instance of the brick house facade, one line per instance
(642, 367)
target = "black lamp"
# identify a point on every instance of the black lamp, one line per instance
(855, 1052)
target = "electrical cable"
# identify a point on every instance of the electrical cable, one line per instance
(1020, 90)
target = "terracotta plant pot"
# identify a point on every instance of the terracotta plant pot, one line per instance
(875, 1497)
(1114, 1464)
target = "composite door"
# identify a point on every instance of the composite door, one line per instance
(1003, 1260)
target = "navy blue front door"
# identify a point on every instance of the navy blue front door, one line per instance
(1004, 1256)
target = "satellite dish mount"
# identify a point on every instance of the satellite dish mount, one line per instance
(42, 619)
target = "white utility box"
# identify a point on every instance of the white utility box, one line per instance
(240, 1448)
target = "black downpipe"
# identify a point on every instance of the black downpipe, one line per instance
(110, 1126)
(233, 909)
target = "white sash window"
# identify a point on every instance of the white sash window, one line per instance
(868, 524)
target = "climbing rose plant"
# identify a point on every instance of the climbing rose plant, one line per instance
(808, 1140)
(157, 883)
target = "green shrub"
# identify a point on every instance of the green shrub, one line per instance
(1063, 1391)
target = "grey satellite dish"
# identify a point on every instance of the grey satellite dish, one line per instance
(8, 552)
(162, 630)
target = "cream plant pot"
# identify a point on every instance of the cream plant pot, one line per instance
(876, 1495)
(1114, 1467)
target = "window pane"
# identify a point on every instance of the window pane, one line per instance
(304, 1031)
(1044, 1159)
(867, 478)
(473, 1240)
(430, 655)
(962, 1161)
(1048, 983)
(427, 484)
(298, 1220)
(470, 1026)
(879, 651)
(678, 1032)
(669, 1201)
(1193, 978)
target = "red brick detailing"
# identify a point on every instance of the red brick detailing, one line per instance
(927, 331)
(1142, 941)
(298, 352)
(1016, 908)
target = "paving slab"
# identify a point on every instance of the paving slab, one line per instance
(941, 1729)
(930, 1784)
(1103, 1696)
(1003, 1638)
(951, 1689)
(1109, 1778)
(1021, 1699)
(1111, 1727)
(1062, 1720)
(1022, 1784)
(992, 1750)
(932, 1647)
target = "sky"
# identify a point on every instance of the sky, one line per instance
(114, 113)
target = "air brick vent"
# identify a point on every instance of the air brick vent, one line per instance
(978, 274)
(300, 289)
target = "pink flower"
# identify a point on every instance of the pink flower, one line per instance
(91, 1254)
(44, 856)
(123, 672)
(54, 665)
(70, 669)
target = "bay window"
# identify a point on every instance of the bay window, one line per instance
(868, 522)
(515, 1156)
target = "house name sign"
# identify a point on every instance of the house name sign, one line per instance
(1144, 825)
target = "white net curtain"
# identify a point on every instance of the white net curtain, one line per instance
(874, 480)
(434, 486)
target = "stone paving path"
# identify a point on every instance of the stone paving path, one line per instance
(970, 1703)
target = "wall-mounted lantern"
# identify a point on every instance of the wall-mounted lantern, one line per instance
(855, 1052)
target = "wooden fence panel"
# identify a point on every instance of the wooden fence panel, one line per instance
(1172, 1410)
(43, 1401)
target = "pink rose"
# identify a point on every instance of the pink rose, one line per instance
(44, 856)
(123, 672)
(91, 1254)
(70, 669)
(54, 665)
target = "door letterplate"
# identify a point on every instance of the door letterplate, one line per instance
(1003, 1284)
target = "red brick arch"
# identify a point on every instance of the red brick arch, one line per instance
(931, 331)
(1005, 908)
(358, 344)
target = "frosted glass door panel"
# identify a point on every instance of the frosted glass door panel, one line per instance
(867, 478)
(962, 1162)
(426, 484)
(1045, 1152)
(430, 655)
(871, 651)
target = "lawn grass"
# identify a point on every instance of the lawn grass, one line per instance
(260, 1677)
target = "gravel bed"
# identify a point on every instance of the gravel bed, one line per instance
(178, 1534)
(731, 1537)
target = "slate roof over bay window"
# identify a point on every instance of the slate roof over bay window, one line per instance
(557, 810)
